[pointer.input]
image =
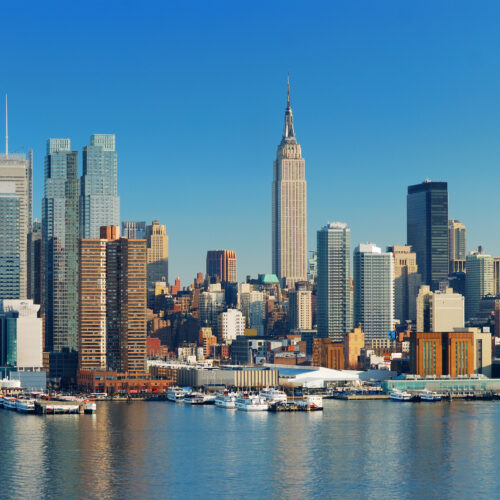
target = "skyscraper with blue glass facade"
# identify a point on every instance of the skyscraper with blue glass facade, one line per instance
(99, 200)
(10, 242)
(60, 246)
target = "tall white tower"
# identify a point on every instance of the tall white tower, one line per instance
(289, 206)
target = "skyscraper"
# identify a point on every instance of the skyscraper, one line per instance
(157, 256)
(334, 281)
(427, 230)
(135, 230)
(35, 262)
(16, 173)
(407, 282)
(456, 245)
(373, 291)
(60, 246)
(221, 265)
(289, 217)
(10, 243)
(478, 281)
(99, 200)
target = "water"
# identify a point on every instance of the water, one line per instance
(354, 449)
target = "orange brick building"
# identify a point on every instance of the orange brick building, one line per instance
(328, 354)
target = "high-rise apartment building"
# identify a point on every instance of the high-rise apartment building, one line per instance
(157, 256)
(439, 311)
(334, 311)
(221, 265)
(211, 303)
(299, 309)
(134, 230)
(99, 200)
(373, 291)
(231, 324)
(289, 210)
(478, 281)
(496, 275)
(112, 303)
(427, 230)
(60, 246)
(252, 304)
(16, 186)
(457, 246)
(407, 282)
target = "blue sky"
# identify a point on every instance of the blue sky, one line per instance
(384, 94)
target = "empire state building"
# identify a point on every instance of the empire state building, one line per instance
(289, 207)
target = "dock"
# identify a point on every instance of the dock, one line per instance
(351, 397)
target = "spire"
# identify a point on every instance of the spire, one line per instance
(288, 133)
(6, 128)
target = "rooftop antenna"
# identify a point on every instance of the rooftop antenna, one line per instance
(6, 128)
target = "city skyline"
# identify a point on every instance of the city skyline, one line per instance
(391, 136)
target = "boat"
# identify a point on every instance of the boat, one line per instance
(398, 395)
(176, 394)
(273, 395)
(25, 405)
(226, 400)
(311, 403)
(198, 398)
(251, 402)
(10, 403)
(427, 395)
(89, 407)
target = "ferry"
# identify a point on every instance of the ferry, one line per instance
(273, 395)
(397, 395)
(176, 394)
(198, 398)
(25, 405)
(427, 395)
(226, 400)
(251, 402)
(10, 403)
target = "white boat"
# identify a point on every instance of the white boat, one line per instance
(398, 395)
(25, 405)
(176, 394)
(273, 395)
(10, 403)
(311, 403)
(226, 400)
(427, 395)
(198, 398)
(251, 402)
(89, 407)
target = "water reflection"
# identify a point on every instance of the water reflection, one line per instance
(159, 450)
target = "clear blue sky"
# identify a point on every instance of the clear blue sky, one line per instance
(384, 94)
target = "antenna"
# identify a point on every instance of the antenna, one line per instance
(6, 128)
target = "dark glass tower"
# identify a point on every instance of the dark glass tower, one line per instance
(427, 230)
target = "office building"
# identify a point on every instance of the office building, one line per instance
(407, 282)
(439, 311)
(328, 354)
(157, 256)
(210, 304)
(134, 230)
(112, 303)
(221, 266)
(456, 246)
(478, 281)
(289, 208)
(427, 230)
(333, 305)
(35, 263)
(231, 324)
(373, 291)
(60, 246)
(496, 275)
(99, 200)
(299, 309)
(252, 305)
(16, 183)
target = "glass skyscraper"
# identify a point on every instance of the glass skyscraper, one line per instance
(10, 243)
(427, 230)
(99, 201)
(334, 281)
(373, 291)
(60, 246)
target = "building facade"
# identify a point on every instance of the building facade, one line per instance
(221, 265)
(231, 324)
(457, 246)
(299, 310)
(134, 230)
(427, 230)
(10, 242)
(333, 305)
(289, 207)
(478, 281)
(373, 291)
(60, 246)
(157, 256)
(99, 200)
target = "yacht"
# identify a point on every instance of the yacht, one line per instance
(226, 399)
(176, 394)
(397, 395)
(427, 395)
(251, 402)
(273, 395)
